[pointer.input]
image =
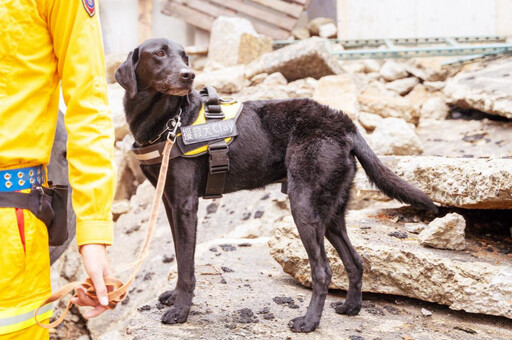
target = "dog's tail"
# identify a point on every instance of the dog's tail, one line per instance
(385, 179)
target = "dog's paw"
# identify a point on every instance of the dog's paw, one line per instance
(302, 325)
(175, 315)
(168, 298)
(347, 308)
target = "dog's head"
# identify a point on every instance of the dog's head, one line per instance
(158, 64)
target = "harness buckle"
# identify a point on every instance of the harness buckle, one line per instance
(219, 160)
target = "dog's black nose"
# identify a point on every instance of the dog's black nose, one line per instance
(186, 74)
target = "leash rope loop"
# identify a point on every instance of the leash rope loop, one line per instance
(119, 289)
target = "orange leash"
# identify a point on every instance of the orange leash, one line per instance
(119, 289)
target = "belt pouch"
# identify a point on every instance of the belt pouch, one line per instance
(58, 226)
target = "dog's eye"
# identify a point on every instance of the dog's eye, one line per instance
(159, 53)
(185, 60)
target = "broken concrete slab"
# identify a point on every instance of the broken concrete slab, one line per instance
(435, 108)
(427, 69)
(445, 233)
(457, 182)
(306, 58)
(460, 280)
(234, 41)
(339, 92)
(403, 86)
(488, 89)
(226, 80)
(391, 70)
(394, 136)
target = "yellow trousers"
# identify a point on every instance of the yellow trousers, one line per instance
(24, 274)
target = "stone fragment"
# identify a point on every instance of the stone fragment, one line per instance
(393, 136)
(275, 78)
(234, 41)
(115, 98)
(488, 89)
(428, 69)
(371, 65)
(386, 103)
(351, 66)
(339, 92)
(415, 228)
(402, 86)
(120, 207)
(306, 58)
(328, 31)
(315, 24)
(112, 62)
(469, 183)
(392, 70)
(445, 233)
(435, 108)
(434, 85)
(300, 33)
(426, 312)
(258, 79)
(226, 80)
(369, 120)
(402, 267)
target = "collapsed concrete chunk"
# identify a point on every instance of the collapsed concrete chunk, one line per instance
(458, 182)
(234, 41)
(394, 136)
(316, 23)
(460, 280)
(402, 86)
(307, 58)
(427, 69)
(488, 89)
(226, 80)
(392, 70)
(445, 233)
(339, 92)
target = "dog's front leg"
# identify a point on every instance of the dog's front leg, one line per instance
(182, 214)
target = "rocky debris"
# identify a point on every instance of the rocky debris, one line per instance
(300, 33)
(328, 31)
(275, 78)
(234, 41)
(488, 89)
(120, 207)
(426, 312)
(403, 86)
(306, 58)
(226, 80)
(394, 136)
(415, 228)
(112, 62)
(302, 88)
(339, 92)
(435, 108)
(129, 174)
(427, 69)
(315, 25)
(372, 65)
(115, 98)
(385, 103)
(460, 280)
(457, 182)
(352, 66)
(434, 85)
(258, 79)
(445, 233)
(391, 70)
(369, 120)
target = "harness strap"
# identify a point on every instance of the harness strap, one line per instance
(218, 168)
(212, 105)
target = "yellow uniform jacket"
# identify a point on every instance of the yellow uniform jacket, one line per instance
(46, 44)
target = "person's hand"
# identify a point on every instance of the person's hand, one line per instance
(94, 257)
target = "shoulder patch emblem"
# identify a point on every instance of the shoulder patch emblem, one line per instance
(89, 6)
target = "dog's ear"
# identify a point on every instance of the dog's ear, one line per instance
(125, 73)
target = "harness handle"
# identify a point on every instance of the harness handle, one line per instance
(120, 289)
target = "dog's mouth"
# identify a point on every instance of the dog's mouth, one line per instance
(178, 91)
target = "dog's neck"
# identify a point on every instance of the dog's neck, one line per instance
(148, 112)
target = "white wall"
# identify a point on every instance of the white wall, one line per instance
(423, 18)
(119, 20)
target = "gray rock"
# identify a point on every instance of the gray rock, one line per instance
(394, 136)
(306, 58)
(226, 80)
(428, 69)
(392, 70)
(435, 108)
(339, 92)
(403, 267)
(415, 228)
(457, 182)
(445, 233)
(488, 89)
(234, 41)
(402, 86)
(426, 312)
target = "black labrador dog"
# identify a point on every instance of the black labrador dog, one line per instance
(311, 145)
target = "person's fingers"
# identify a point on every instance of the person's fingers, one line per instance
(92, 313)
(83, 299)
(101, 289)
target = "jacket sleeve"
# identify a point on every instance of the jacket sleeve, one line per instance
(78, 47)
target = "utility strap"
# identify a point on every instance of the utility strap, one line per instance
(117, 287)
(218, 168)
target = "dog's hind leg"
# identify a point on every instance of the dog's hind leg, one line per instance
(183, 215)
(338, 237)
(312, 231)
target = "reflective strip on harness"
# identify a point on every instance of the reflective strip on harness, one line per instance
(14, 323)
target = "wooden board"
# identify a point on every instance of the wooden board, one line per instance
(145, 20)
(274, 18)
